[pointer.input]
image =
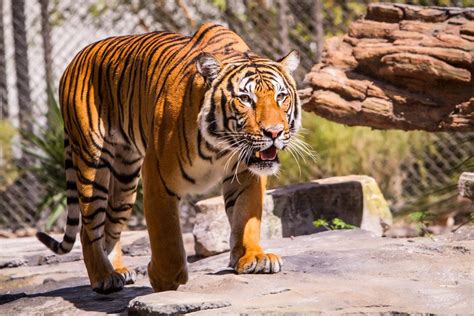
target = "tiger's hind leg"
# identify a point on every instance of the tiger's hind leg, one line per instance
(93, 179)
(122, 195)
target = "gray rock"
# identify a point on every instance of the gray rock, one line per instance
(291, 210)
(12, 263)
(174, 302)
(336, 272)
(211, 229)
(466, 185)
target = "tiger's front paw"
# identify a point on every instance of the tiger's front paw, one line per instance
(259, 263)
(130, 276)
(167, 280)
(110, 283)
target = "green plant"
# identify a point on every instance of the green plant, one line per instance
(8, 169)
(334, 224)
(345, 150)
(45, 148)
(420, 218)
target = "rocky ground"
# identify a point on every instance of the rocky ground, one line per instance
(350, 271)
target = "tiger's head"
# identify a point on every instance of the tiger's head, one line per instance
(251, 109)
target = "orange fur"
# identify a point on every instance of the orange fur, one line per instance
(158, 103)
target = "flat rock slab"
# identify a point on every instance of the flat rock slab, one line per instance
(175, 302)
(339, 272)
(291, 210)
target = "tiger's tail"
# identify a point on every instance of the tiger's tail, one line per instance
(66, 244)
(73, 222)
(69, 238)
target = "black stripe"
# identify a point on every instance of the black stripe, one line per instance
(91, 216)
(69, 239)
(116, 220)
(72, 221)
(86, 181)
(98, 225)
(68, 164)
(55, 246)
(121, 208)
(168, 190)
(96, 239)
(200, 153)
(184, 174)
(90, 199)
(62, 247)
(71, 185)
(70, 200)
(112, 235)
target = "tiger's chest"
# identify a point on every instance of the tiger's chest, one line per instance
(203, 175)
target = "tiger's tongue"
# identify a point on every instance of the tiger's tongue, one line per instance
(269, 153)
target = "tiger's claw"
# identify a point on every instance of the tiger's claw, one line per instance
(259, 263)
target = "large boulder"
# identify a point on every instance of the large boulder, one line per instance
(398, 67)
(291, 210)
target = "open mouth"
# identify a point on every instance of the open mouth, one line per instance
(265, 156)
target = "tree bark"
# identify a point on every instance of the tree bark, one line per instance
(282, 19)
(46, 37)
(21, 64)
(401, 67)
(4, 110)
(318, 28)
(47, 51)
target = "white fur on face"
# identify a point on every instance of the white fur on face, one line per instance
(265, 171)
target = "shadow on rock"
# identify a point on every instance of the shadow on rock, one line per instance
(82, 297)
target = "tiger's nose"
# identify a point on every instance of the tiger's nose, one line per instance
(273, 131)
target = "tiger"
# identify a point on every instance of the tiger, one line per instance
(185, 113)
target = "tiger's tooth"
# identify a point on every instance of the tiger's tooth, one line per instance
(257, 154)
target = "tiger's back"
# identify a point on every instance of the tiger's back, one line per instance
(120, 81)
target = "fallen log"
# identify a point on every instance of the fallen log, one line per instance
(400, 67)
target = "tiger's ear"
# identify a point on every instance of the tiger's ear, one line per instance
(291, 61)
(208, 66)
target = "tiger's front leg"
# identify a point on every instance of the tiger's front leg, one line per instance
(168, 267)
(244, 203)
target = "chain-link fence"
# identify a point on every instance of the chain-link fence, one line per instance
(39, 37)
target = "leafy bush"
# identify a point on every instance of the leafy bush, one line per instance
(334, 224)
(46, 149)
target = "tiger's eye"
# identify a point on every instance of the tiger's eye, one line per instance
(281, 96)
(245, 98)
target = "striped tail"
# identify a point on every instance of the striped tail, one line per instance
(65, 246)
(73, 222)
